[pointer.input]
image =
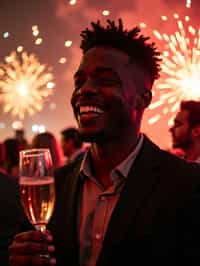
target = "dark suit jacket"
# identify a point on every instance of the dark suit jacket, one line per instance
(10, 214)
(156, 220)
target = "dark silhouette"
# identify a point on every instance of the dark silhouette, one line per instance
(2, 158)
(10, 214)
(11, 164)
(20, 136)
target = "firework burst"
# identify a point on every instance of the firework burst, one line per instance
(25, 84)
(180, 75)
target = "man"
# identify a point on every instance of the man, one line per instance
(72, 144)
(186, 130)
(128, 202)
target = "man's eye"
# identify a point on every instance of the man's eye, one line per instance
(106, 81)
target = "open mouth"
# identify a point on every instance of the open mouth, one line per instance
(90, 109)
(88, 112)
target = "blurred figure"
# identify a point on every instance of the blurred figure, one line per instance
(10, 214)
(11, 164)
(10, 207)
(2, 158)
(186, 131)
(48, 140)
(20, 136)
(72, 144)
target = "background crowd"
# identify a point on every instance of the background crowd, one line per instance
(63, 150)
(185, 133)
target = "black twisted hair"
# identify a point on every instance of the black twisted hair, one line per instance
(129, 41)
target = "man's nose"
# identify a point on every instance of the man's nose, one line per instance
(88, 87)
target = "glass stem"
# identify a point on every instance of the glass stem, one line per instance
(40, 227)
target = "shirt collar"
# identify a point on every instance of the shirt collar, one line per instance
(122, 168)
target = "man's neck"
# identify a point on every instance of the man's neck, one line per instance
(193, 152)
(108, 156)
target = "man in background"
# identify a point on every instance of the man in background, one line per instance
(72, 144)
(186, 131)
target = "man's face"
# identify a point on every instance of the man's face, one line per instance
(104, 99)
(181, 131)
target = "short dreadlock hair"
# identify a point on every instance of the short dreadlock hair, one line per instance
(135, 45)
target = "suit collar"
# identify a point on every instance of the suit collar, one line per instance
(64, 222)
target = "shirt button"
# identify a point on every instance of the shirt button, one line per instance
(103, 198)
(97, 236)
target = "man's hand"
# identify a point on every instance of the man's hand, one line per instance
(29, 248)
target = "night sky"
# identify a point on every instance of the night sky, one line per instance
(59, 21)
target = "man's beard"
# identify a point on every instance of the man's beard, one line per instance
(184, 145)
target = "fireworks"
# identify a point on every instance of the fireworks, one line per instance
(24, 84)
(180, 75)
(188, 3)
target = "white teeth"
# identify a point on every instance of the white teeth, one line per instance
(86, 109)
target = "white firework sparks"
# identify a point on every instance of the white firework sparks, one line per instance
(24, 84)
(180, 75)
(188, 3)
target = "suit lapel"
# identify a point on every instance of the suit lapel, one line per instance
(66, 213)
(139, 184)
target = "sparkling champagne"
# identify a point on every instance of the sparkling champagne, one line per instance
(38, 199)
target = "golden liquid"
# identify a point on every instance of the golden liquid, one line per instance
(38, 199)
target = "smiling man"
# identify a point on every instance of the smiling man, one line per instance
(128, 202)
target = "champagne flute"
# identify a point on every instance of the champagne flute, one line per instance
(37, 191)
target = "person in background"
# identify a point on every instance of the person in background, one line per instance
(2, 158)
(20, 136)
(11, 163)
(10, 210)
(11, 214)
(128, 202)
(48, 140)
(72, 144)
(185, 131)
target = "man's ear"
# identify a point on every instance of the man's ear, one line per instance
(196, 131)
(143, 99)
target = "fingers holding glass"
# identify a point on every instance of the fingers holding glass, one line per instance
(29, 248)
